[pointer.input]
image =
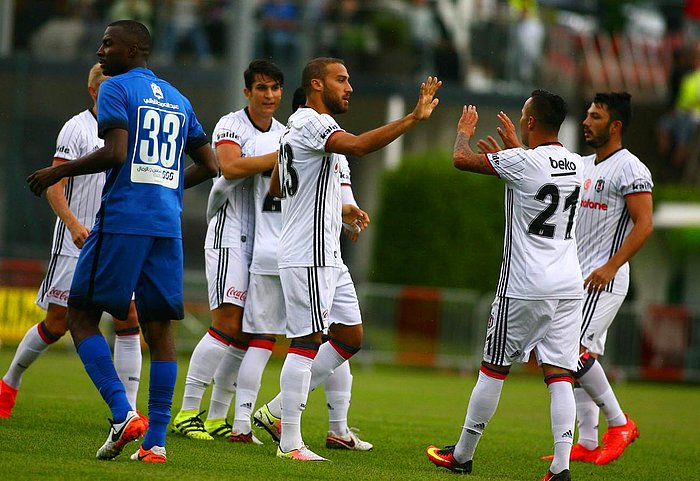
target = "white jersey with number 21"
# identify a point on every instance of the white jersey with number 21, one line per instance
(543, 186)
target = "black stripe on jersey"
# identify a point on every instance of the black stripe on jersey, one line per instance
(618, 239)
(221, 271)
(562, 174)
(314, 302)
(220, 224)
(507, 246)
(500, 332)
(50, 273)
(589, 305)
(319, 211)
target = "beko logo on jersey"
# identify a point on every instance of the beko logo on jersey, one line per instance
(590, 204)
(562, 164)
(166, 105)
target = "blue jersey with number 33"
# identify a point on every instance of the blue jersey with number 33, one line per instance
(144, 195)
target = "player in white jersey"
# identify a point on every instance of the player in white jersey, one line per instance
(614, 222)
(538, 298)
(228, 249)
(265, 313)
(75, 201)
(311, 268)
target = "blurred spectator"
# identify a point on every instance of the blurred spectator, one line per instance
(139, 10)
(181, 20)
(280, 21)
(60, 37)
(424, 36)
(527, 41)
(677, 129)
(354, 38)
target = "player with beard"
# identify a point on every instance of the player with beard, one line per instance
(311, 270)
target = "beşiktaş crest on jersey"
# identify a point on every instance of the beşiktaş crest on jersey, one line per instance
(157, 92)
(600, 185)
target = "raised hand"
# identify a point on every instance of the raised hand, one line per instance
(507, 131)
(468, 120)
(426, 100)
(488, 145)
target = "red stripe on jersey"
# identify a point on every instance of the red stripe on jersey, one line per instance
(486, 158)
(301, 351)
(262, 344)
(58, 159)
(637, 193)
(226, 141)
(492, 373)
(329, 139)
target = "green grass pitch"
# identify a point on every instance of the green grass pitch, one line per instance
(60, 421)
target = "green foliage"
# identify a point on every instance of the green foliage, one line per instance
(437, 226)
(676, 193)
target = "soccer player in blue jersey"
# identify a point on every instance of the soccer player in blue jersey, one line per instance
(136, 243)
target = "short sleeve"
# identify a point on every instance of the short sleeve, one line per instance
(112, 107)
(318, 130)
(508, 164)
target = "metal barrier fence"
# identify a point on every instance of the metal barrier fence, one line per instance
(424, 326)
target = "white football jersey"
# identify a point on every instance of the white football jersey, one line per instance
(77, 138)
(268, 211)
(234, 221)
(604, 221)
(310, 179)
(543, 187)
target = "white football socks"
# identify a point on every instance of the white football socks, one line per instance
(249, 379)
(587, 413)
(563, 418)
(338, 389)
(30, 348)
(203, 364)
(225, 379)
(597, 386)
(294, 391)
(482, 406)
(127, 362)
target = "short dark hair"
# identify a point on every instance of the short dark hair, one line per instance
(548, 109)
(262, 67)
(135, 32)
(619, 106)
(298, 99)
(316, 69)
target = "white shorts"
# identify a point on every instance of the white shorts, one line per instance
(550, 327)
(227, 276)
(55, 287)
(599, 310)
(318, 296)
(265, 312)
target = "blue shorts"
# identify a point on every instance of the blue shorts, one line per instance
(112, 267)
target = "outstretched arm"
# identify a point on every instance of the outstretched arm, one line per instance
(359, 145)
(463, 157)
(112, 154)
